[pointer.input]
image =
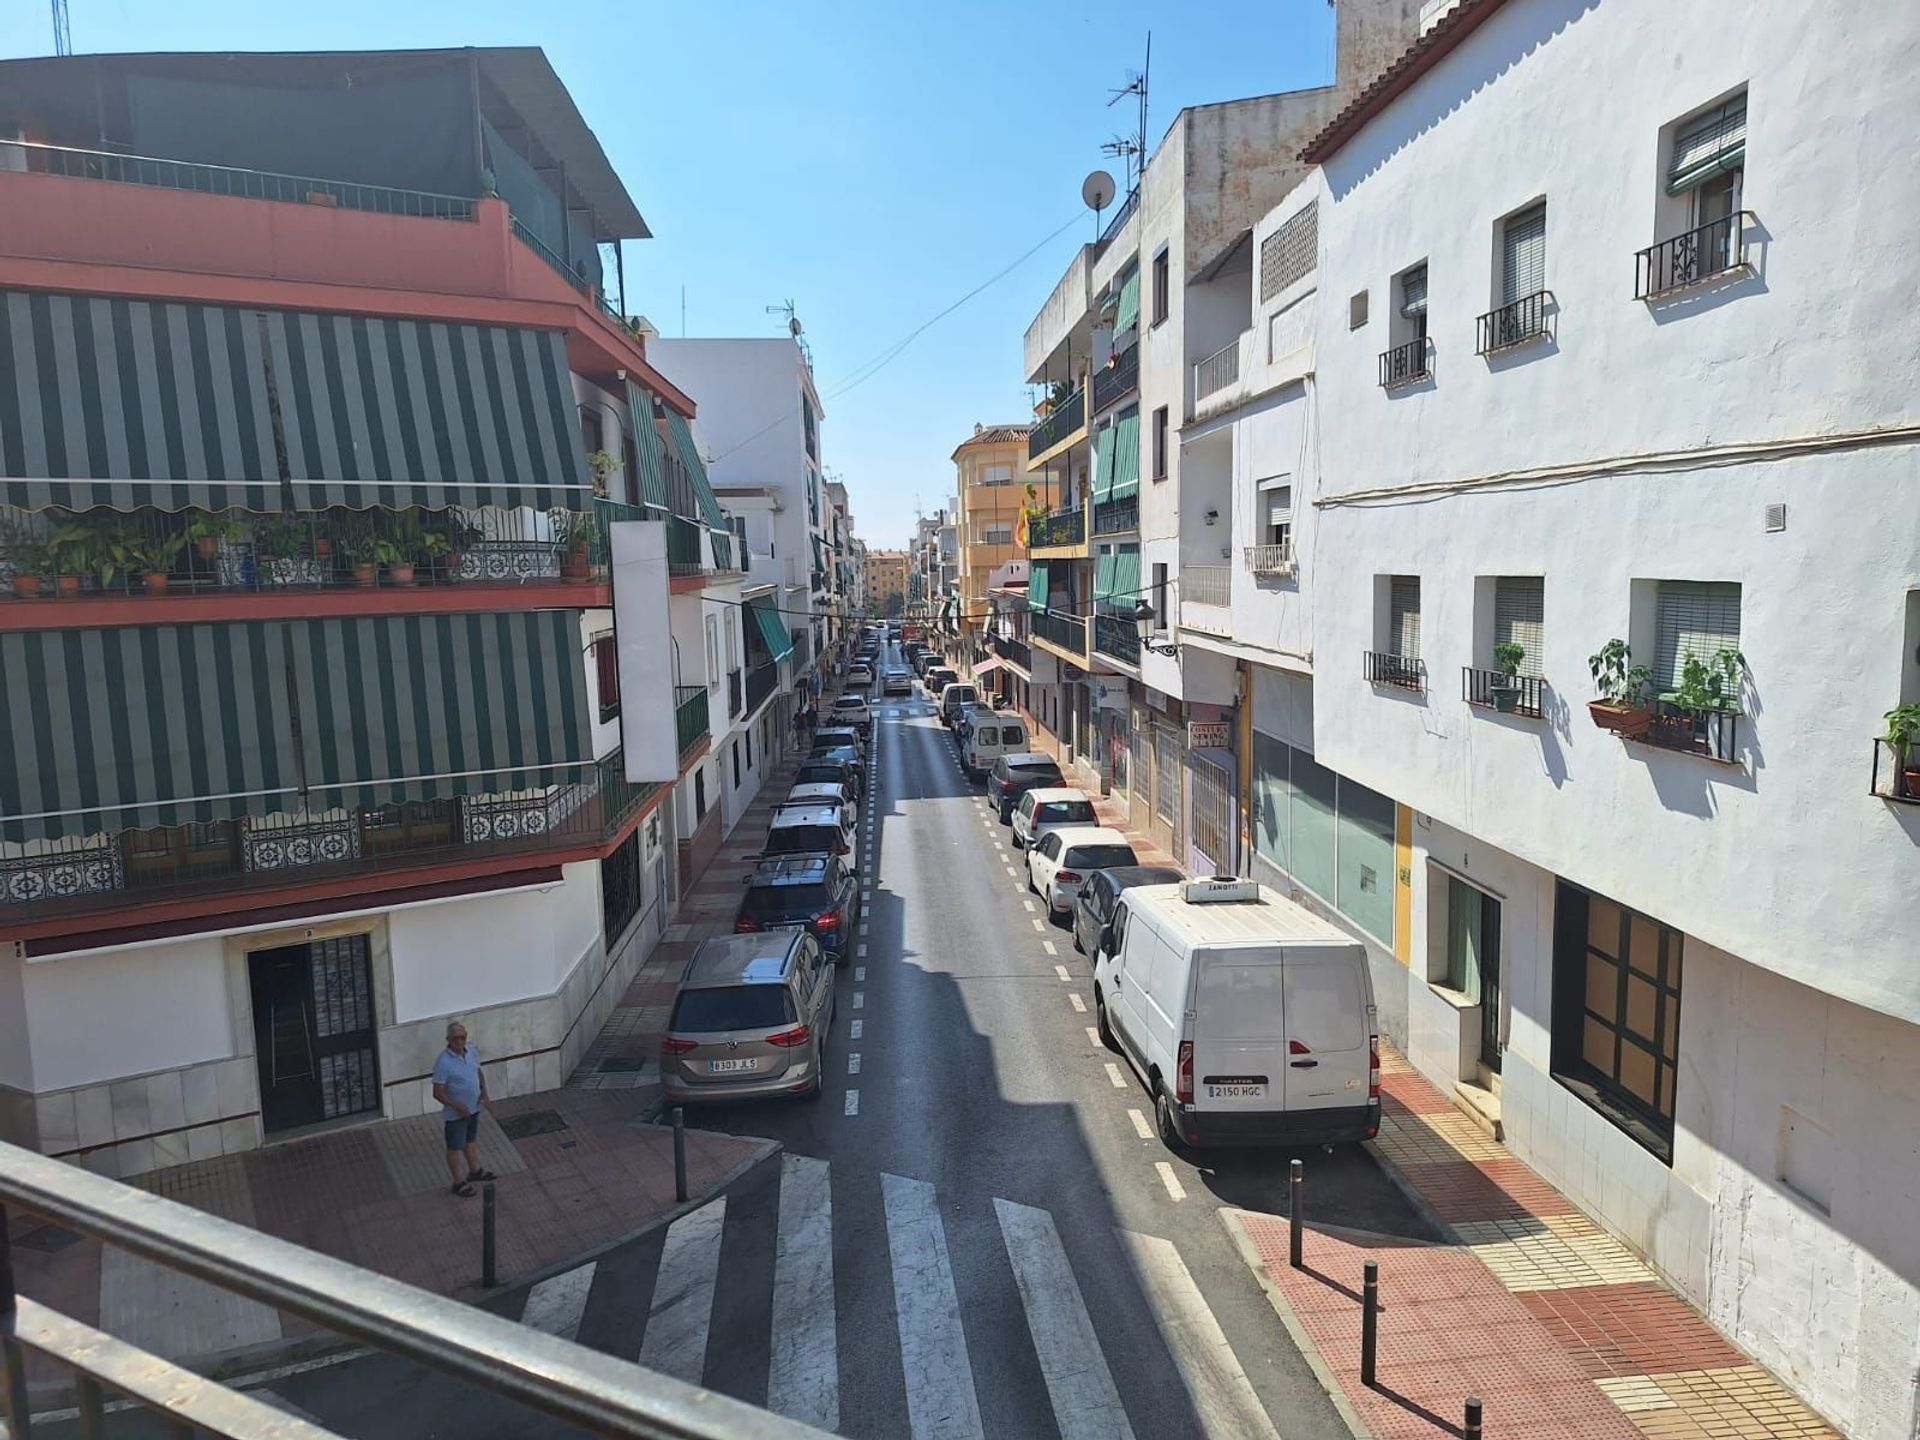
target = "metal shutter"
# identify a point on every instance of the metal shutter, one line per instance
(1519, 610)
(1403, 620)
(1524, 254)
(1280, 505)
(1712, 143)
(1694, 618)
(1166, 777)
(1413, 292)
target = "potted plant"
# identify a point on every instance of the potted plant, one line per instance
(402, 547)
(205, 530)
(1623, 686)
(26, 557)
(276, 542)
(153, 557)
(69, 554)
(366, 549)
(1707, 687)
(462, 534)
(1506, 695)
(1903, 738)
(119, 550)
(602, 464)
(579, 534)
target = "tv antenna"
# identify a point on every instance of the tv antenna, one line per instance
(62, 34)
(1132, 149)
(785, 307)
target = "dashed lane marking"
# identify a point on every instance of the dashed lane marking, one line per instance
(1060, 970)
(853, 1062)
(853, 1102)
(1079, 1005)
(1170, 1180)
(1040, 925)
(1114, 1074)
(1051, 949)
(859, 999)
(1030, 907)
(855, 1029)
(1141, 1126)
(860, 971)
(1093, 1036)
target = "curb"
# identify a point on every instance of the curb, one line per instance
(1413, 1196)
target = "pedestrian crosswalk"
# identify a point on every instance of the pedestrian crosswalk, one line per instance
(777, 1282)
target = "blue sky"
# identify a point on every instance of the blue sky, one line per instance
(871, 161)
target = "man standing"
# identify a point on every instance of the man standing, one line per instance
(461, 1090)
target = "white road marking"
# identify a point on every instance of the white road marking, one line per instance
(1051, 949)
(1115, 1074)
(854, 1029)
(555, 1305)
(1140, 1125)
(1013, 872)
(1079, 1005)
(1170, 1180)
(1039, 924)
(1031, 908)
(853, 1062)
(853, 1102)
(1086, 1405)
(862, 950)
(1060, 970)
(941, 1404)
(1223, 1400)
(859, 999)
(803, 1372)
(676, 1338)
(863, 927)
(860, 971)
(1093, 1036)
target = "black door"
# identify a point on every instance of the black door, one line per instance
(313, 1027)
(1487, 956)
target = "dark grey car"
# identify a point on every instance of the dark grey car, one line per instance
(1093, 906)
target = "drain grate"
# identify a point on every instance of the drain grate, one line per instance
(622, 1065)
(534, 1122)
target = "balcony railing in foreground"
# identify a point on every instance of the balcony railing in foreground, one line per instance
(1404, 364)
(1403, 672)
(1519, 323)
(1062, 527)
(1118, 636)
(92, 874)
(1481, 687)
(1064, 632)
(1065, 418)
(1687, 259)
(596, 1393)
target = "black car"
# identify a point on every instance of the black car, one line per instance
(815, 891)
(832, 770)
(1093, 907)
(1013, 775)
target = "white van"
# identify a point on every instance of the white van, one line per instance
(1250, 1020)
(994, 734)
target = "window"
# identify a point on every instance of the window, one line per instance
(1330, 835)
(1403, 616)
(1473, 936)
(1160, 287)
(1166, 776)
(997, 473)
(1161, 619)
(1288, 253)
(620, 888)
(736, 763)
(1616, 1005)
(606, 670)
(731, 658)
(1694, 619)
(749, 749)
(1212, 812)
(593, 430)
(713, 649)
(1160, 443)
(1357, 311)
(1519, 606)
(997, 535)
(700, 793)
(1523, 254)
(1275, 514)
(1413, 304)
(630, 468)
(1710, 156)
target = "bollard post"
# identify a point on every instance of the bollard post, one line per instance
(488, 1277)
(680, 1153)
(1471, 1430)
(1296, 1195)
(1369, 1319)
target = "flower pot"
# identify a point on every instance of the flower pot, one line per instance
(366, 576)
(26, 587)
(1629, 722)
(573, 564)
(67, 585)
(322, 548)
(401, 574)
(450, 567)
(1506, 698)
(156, 582)
(1910, 778)
(207, 546)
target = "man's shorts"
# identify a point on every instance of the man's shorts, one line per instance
(463, 1132)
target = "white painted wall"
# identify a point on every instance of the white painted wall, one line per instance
(490, 949)
(127, 1012)
(16, 1054)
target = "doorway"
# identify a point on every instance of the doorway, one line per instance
(1473, 959)
(313, 1030)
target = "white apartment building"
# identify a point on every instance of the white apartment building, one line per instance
(1523, 372)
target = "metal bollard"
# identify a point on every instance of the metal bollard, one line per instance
(1296, 1196)
(679, 1153)
(1471, 1430)
(488, 1276)
(1369, 1318)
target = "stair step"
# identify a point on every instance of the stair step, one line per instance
(1481, 1106)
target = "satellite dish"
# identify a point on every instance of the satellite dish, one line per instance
(1097, 190)
(793, 326)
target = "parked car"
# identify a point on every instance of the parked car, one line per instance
(937, 678)
(1249, 1020)
(816, 891)
(991, 735)
(1043, 808)
(839, 737)
(852, 710)
(860, 673)
(1100, 892)
(897, 682)
(823, 770)
(810, 827)
(750, 1018)
(1013, 775)
(1062, 858)
(954, 698)
(924, 661)
(817, 792)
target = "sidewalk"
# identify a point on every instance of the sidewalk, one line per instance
(1108, 811)
(1557, 1326)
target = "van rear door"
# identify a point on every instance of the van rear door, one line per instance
(1239, 1030)
(1327, 1040)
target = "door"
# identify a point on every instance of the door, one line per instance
(313, 1026)
(1473, 959)
(1328, 1055)
(1239, 1029)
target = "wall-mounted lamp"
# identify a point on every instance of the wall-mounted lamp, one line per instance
(1143, 618)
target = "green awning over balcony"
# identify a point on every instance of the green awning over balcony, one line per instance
(1103, 443)
(1126, 455)
(1125, 592)
(136, 726)
(1127, 314)
(416, 707)
(1038, 587)
(1103, 576)
(649, 458)
(696, 468)
(772, 629)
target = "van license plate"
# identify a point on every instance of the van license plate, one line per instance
(1237, 1092)
(727, 1067)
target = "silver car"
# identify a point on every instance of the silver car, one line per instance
(750, 1019)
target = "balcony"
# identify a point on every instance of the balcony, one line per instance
(1495, 690)
(1217, 371)
(690, 718)
(1521, 323)
(1700, 254)
(762, 681)
(1118, 636)
(686, 548)
(1065, 422)
(99, 873)
(1116, 517)
(736, 694)
(1710, 734)
(1120, 217)
(1014, 652)
(1067, 633)
(1061, 530)
(1206, 598)
(1270, 561)
(1893, 780)
(1116, 380)
(1404, 364)
(802, 648)
(1399, 672)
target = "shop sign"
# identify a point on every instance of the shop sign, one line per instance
(1209, 735)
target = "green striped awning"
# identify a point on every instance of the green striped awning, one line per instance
(126, 403)
(406, 412)
(779, 642)
(682, 433)
(652, 461)
(1038, 587)
(1126, 454)
(137, 726)
(415, 707)
(1127, 312)
(1103, 464)
(1125, 592)
(1103, 576)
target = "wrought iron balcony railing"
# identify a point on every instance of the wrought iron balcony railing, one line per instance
(1404, 364)
(1065, 418)
(686, 548)
(762, 681)
(1270, 559)
(1016, 652)
(1687, 259)
(1897, 781)
(1062, 527)
(1519, 323)
(1478, 687)
(1403, 672)
(1117, 379)
(1063, 632)
(1710, 734)
(1120, 218)
(1217, 371)
(736, 694)
(690, 717)
(1118, 636)
(1116, 517)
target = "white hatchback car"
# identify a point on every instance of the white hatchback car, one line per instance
(1065, 856)
(1044, 807)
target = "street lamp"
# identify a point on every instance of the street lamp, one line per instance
(1143, 617)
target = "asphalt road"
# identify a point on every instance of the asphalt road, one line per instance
(972, 1233)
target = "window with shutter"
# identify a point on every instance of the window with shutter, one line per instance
(1523, 265)
(1279, 515)
(1693, 618)
(1711, 143)
(1413, 292)
(1403, 620)
(1519, 607)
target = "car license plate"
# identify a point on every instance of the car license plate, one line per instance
(728, 1067)
(1239, 1091)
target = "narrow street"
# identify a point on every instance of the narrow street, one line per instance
(1011, 1253)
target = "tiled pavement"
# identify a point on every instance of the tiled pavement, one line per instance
(1557, 1326)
